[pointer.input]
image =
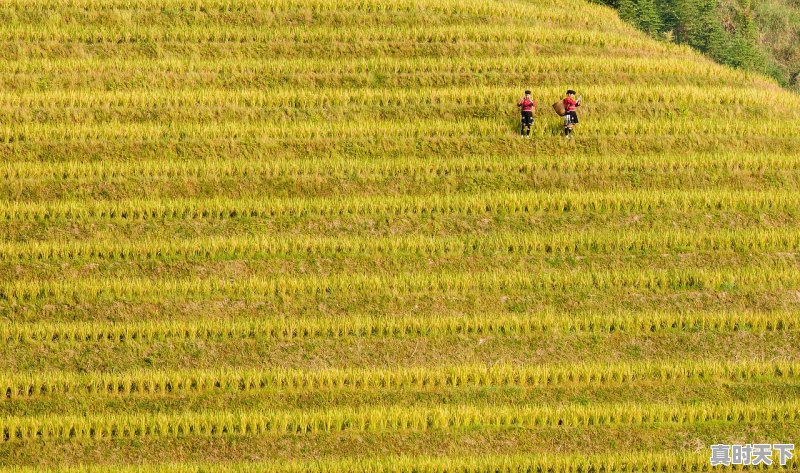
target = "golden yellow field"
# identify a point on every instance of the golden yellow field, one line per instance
(305, 235)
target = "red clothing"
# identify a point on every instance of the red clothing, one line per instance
(570, 104)
(526, 104)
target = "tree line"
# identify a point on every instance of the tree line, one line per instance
(729, 32)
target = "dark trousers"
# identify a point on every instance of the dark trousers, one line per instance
(527, 122)
(571, 118)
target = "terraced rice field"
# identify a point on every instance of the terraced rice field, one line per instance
(303, 235)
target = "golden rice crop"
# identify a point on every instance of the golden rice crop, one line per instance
(463, 204)
(405, 167)
(439, 71)
(628, 462)
(284, 328)
(176, 172)
(27, 385)
(258, 288)
(375, 97)
(475, 7)
(430, 128)
(430, 34)
(385, 418)
(597, 241)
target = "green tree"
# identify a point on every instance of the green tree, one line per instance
(730, 32)
(649, 18)
(627, 11)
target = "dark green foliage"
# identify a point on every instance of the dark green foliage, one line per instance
(735, 32)
(649, 19)
(627, 10)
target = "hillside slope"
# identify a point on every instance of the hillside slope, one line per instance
(779, 36)
(304, 235)
(762, 36)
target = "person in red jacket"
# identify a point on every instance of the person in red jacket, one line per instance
(527, 106)
(571, 105)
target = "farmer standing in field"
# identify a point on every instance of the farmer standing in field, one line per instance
(527, 106)
(571, 115)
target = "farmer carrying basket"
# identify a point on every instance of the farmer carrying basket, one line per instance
(567, 108)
